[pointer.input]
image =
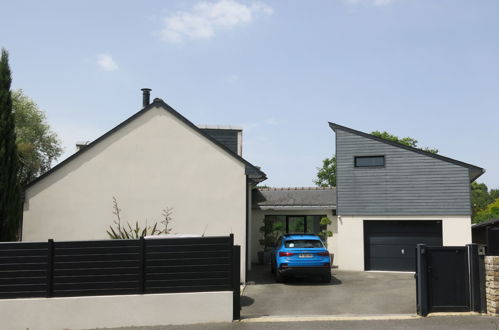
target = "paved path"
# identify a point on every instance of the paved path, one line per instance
(349, 293)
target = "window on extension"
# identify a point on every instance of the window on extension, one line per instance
(370, 161)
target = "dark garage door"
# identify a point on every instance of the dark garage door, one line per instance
(390, 245)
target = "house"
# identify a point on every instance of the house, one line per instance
(391, 197)
(388, 198)
(154, 160)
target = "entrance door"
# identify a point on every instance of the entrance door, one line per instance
(390, 245)
(448, 279)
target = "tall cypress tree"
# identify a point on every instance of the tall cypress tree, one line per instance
(10, 206)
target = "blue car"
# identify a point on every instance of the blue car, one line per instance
(300, 254)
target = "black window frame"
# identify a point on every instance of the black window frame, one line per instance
(369, 166)
(287, 216)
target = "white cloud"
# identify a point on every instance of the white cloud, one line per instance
(205, 18)
(373, 2)
(107, 63)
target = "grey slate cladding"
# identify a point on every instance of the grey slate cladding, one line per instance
(227, 137)
(325, 197)
(410, 183)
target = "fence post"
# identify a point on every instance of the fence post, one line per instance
(476, 278)
(421, 279)
(50, 268)
(142, 269)
(236, 282)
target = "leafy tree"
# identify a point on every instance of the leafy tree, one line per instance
(326, 174)
(480, 197)
(491, 211)
(408, 141)
(10, 205)
(37, 145)
(494, 193)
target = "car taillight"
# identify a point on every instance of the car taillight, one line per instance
(286, 254)
(323, 254)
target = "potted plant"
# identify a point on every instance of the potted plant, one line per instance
(270, 231)
(325, 233)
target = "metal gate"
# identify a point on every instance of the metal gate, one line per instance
(450, 279)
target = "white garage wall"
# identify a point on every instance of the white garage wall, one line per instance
(456, 231)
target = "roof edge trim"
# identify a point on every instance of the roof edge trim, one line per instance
(156, 103)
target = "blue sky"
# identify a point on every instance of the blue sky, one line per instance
(427, 69)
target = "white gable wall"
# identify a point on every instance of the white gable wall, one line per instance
(154, 162)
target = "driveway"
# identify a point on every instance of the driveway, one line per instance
(349, 293)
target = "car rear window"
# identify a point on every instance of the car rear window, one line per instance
(303, 243)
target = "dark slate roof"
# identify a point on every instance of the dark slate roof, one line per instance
(300, 197)
(485, 223)
(253, 172)
(227, 137)
(474, 171)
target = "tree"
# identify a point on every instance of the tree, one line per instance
(38, 146)
(480, 197)
(10, 201)
(408, 141)
(491, 211)
(326, 175)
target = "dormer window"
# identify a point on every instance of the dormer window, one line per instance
(369, 161)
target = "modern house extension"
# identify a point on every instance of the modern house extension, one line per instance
(391, 197)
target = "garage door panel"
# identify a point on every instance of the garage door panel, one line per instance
(394, 240)
(391, 264)
(396, 226)
(390, 245)
(381, 251)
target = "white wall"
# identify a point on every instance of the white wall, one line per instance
(115, 311)
(154, 162)
(257, 221)
(456, 230)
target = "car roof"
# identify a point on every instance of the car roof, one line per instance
(300, 236)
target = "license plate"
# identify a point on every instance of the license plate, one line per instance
(305, 255)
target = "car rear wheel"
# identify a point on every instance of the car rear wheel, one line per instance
(279, 278)
(326, 278)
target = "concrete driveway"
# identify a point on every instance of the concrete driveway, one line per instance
(349, 293)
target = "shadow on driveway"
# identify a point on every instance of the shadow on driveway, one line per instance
(359, 293)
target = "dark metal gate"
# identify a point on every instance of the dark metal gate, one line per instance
(450, 279)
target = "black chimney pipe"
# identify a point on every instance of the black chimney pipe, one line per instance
(146, 97)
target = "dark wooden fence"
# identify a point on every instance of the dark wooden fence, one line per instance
(113, 267)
